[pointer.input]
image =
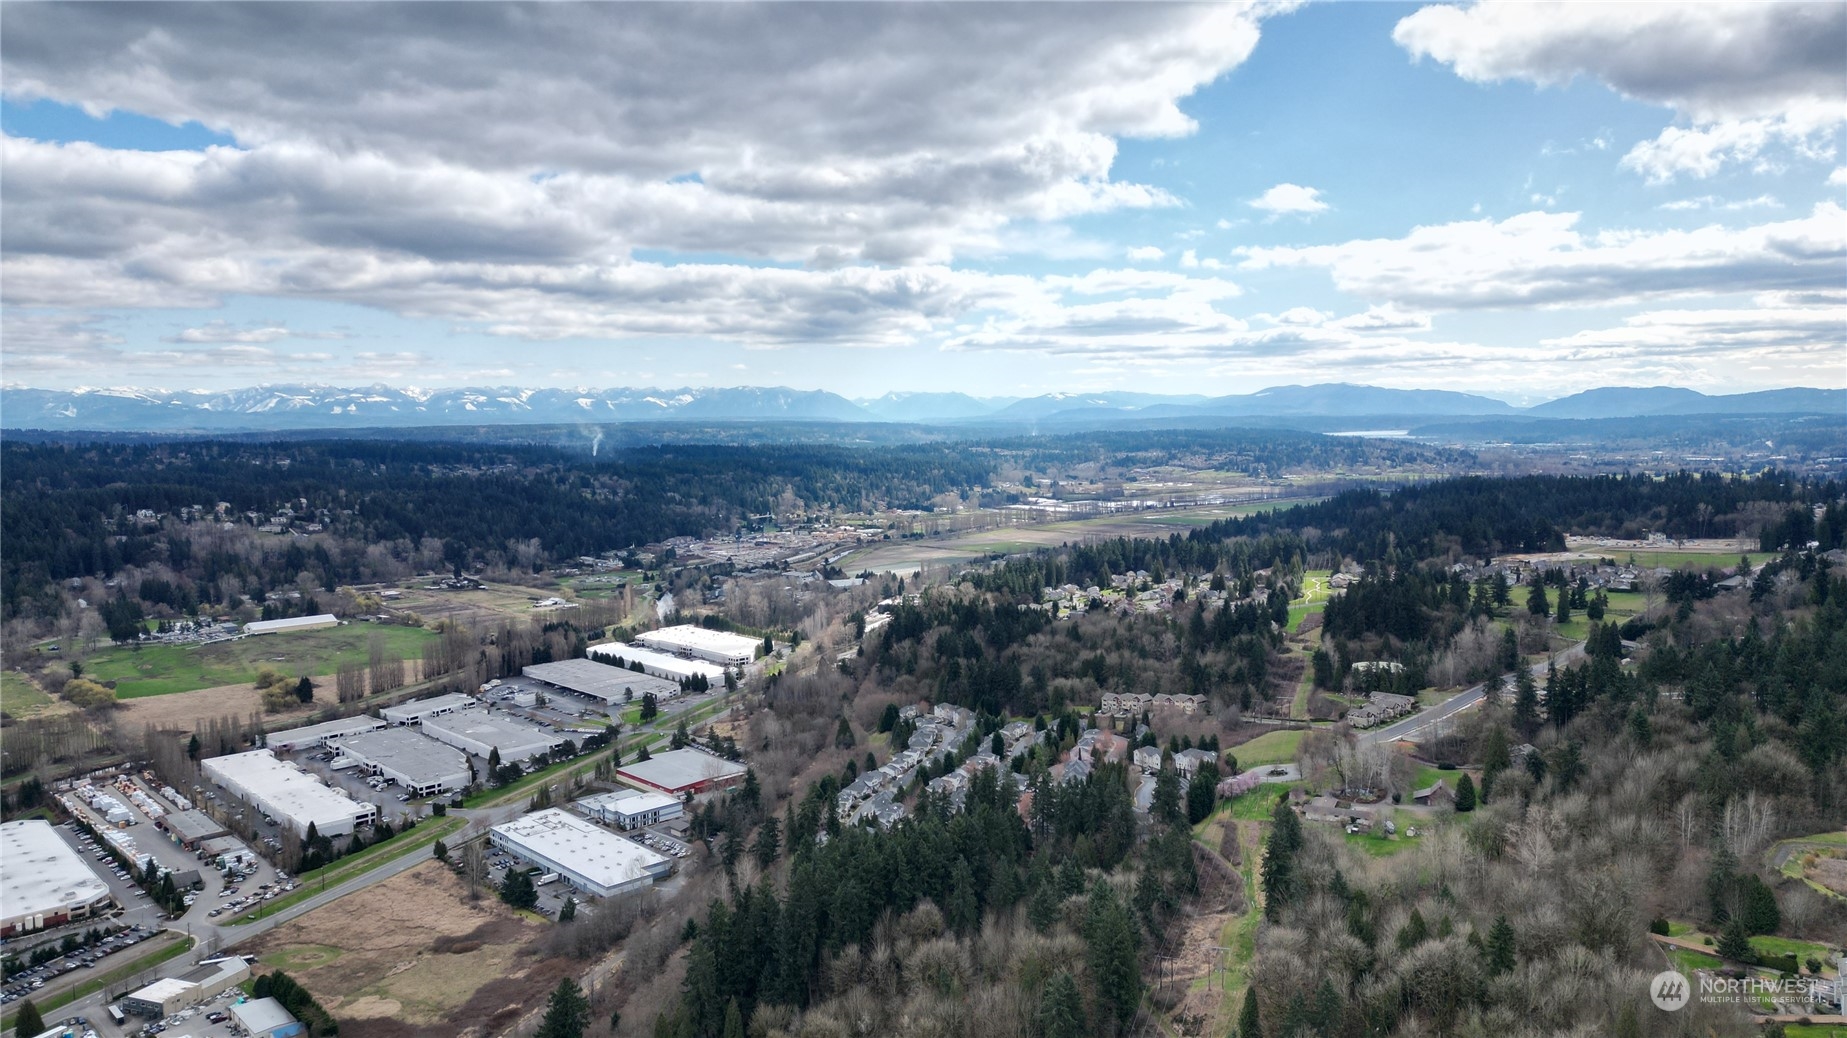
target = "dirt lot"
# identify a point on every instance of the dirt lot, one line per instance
(181, 710)
(412, 957)
(1830, 872)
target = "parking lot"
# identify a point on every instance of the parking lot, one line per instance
(211, 1019)
(88, 958)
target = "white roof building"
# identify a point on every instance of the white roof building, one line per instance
(586, 855)
(43, 880)
(604, 682)
(631, 808)
(293, 623)
(288, 794)
(481, 733)
(416, 710)
(423, 766)
(732, 650)
(678, 772)
(321, 734)
(659, 664)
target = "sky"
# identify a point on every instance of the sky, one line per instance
(1520, 200)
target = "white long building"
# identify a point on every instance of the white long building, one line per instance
(292, 623)
(288, 794)
(660, 664)
(481, 733)
(44, 881)
(586, 855)
(416, 710)
(423, 766)
(722, 647)
(315, 736)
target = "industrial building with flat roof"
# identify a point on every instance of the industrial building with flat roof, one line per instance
(293, 623)
(480, 733)
(318, 735)
(604, 682)
(189, 829)
(169, 995)
(288, 794)
(678, 772)
(585, 855)
(416, 710)
(265, 1018)
(423, 766)
(631, 808)
(732, 650)
(43, 880)
(659, 664)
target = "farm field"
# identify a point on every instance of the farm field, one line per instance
(492, 602)
(158, 670)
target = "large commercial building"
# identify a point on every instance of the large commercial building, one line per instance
(315, 736)
(288, 794)
(169, 995)
(43, 881)
(293, 623)
(722, 647)
(480, 733)
(265, 1018)
(606, 683)
(659, 664)
(585, 855)
(423, 766)
(416, 710)
(631, 808)
(678, 772)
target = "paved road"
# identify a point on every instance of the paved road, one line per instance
(1410, 728)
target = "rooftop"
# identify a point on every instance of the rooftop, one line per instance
(282, 786)
(261, 1014)
(628, 801)
(512, 738)
(694, 637)
(193, 825)
(415, 756)
(417, 708)
(163, 989)
(599, 680)
(665, 663)
(585, 848)
(324, 730)
(39, 872)
(678, 769)
(290, 623)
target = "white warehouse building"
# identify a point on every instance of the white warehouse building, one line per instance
(288, 794)
(587, 856)
(423, 766)
(293, 623)
(722, 647)
(481, 733)
(43, 881)
(631, 808)
(319, 735)
(659, 664)
(416, 710)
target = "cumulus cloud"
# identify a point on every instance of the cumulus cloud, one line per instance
(1146, 253)
(1290, 200)
(1540, 258)
(1744, 75)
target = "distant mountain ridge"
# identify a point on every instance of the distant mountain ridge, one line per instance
(298, 407)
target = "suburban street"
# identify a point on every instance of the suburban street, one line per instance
(1410, 728)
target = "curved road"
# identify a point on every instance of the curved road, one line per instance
(1409, 728)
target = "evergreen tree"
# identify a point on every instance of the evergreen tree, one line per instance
(1249, 1025)
(1061, 1008)
(1167, 807)
(193, 747)
(1042, 908)
(650, 706)
(1735, 943)
(680, 736)
(843, 734)
(734, 1020)
(1496, 758)
(567, 1013)
(1202, 794)
(1526, 702)
(517, 889)
(1501, 946)
(1280, 884)
(1465, 794)
(1760, 911)
(1113, 945)
(568, 910)
(769, 843)
(1414, 933)
(29, 1022)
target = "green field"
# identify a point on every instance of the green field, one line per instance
(1725, 560)
(19, 697)
(1815, 1031)
(1686, 961)
(1772, 945)
(156, 670)
(1269, 748)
